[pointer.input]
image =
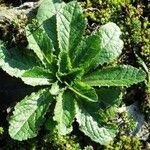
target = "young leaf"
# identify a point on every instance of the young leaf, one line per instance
(110, 44)
(115, 76)
(64, 63)
(65, 111)
(84, 91)
(40, 43)
(54, 89)
(38, 76)
(70, 27)
(71, 76)
(94, 129)
(28, 115)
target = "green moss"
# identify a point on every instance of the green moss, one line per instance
(1, 130)
(129, 122)
(146, 105)
(62, 142)
(125, 142)
(145, 45)
(88, 148)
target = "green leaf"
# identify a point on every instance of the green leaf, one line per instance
(71, 24)
(51, 29)
(24, 67)
(110, 45)
(124, 75)
(49, 8)
(102, 47)
(65, 111)
(93, 128)
(84, 91)
(15, 63)
(38, 76)
(46, 16)
(28, 115)
(40, 43)
(87, 51)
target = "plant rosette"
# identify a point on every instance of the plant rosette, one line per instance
(65, 64)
